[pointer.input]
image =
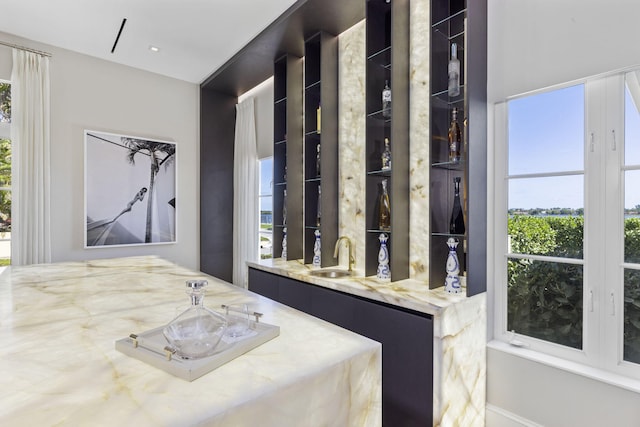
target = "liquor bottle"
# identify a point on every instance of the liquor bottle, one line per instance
(383, 271)
(386, 156)
(456, 224)
(318, 118)
(386, 100)
(384, 213)
(284, 208)
(318, 160)
(317, 250)
(319, 212)
(284, 243)
(454, 72)
(455, 138)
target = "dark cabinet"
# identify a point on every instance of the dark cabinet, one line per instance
(463, 23)
(406, 337)
(387, 66)
(287, 156)
(321, 146)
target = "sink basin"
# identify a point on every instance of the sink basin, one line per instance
(331, 274)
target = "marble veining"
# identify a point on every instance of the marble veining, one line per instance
(459, 341)
(419, 156)
(352, 131)
(59, 323)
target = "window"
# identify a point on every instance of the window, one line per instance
(5, 173)
(567, 221)
(266, 207)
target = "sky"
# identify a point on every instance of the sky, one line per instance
(546, 134)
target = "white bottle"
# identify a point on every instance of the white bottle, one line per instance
(454, 71)
(386, 100)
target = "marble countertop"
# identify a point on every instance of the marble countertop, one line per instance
(411, 294)
(59, 324)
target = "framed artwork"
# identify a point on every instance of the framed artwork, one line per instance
(130, 190)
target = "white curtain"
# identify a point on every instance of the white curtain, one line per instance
(30, 210)
(245, 189)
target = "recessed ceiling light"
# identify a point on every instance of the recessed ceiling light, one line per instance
(154, 49)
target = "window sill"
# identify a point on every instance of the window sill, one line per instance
(601, 375)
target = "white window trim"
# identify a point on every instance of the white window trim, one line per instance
(602, 353)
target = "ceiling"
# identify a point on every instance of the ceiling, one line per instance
(194, 37)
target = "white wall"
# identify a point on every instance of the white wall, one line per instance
(535, 44)
(90, 93)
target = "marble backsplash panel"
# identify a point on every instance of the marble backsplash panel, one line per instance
(352, 130)
(352, 139)
(419, 163)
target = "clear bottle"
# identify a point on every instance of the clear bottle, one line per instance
(318, 118)
(454, 71)
(386, 100)
(456, 224)
(284, 207)
(386, 156)
(384, 213)
(454, 137)
(196, 332)
(319, 211)
(318, 160)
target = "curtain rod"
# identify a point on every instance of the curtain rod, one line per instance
(39, 52)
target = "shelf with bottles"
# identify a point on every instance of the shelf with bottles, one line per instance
(387, 134)
(448, 47)
(448, 148)
(287, 155)
(320, 146)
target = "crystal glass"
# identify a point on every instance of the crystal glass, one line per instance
(196, 332)
(239, 325)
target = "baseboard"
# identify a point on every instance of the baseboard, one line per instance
(498, 417)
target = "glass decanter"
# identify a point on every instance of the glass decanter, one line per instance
(196, 332)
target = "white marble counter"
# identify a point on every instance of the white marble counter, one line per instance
(459, 328)
(59, 323)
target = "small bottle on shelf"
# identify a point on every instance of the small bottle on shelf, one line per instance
(384, 213)
(456, 224)
(455, 138)
(318, 160)
(319, 212)
(284, 243)
(284, 207)
(386, 100)
(318, 119)
(386, 156)
(454, 71)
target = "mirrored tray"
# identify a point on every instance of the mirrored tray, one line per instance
(151, 347)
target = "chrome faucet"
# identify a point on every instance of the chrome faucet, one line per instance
(336, 251)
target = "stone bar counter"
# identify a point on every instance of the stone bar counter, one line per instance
(59, 366)
(459, 334)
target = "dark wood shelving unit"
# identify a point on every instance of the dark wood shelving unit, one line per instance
(287, 155)
(463, 23)
(321, 90)
(387, 28)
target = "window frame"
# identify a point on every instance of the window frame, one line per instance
(603, 256)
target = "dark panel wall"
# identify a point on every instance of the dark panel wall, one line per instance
(217, 129)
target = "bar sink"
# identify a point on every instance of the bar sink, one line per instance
(331, 273)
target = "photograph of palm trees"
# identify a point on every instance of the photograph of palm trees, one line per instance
(130, 190)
